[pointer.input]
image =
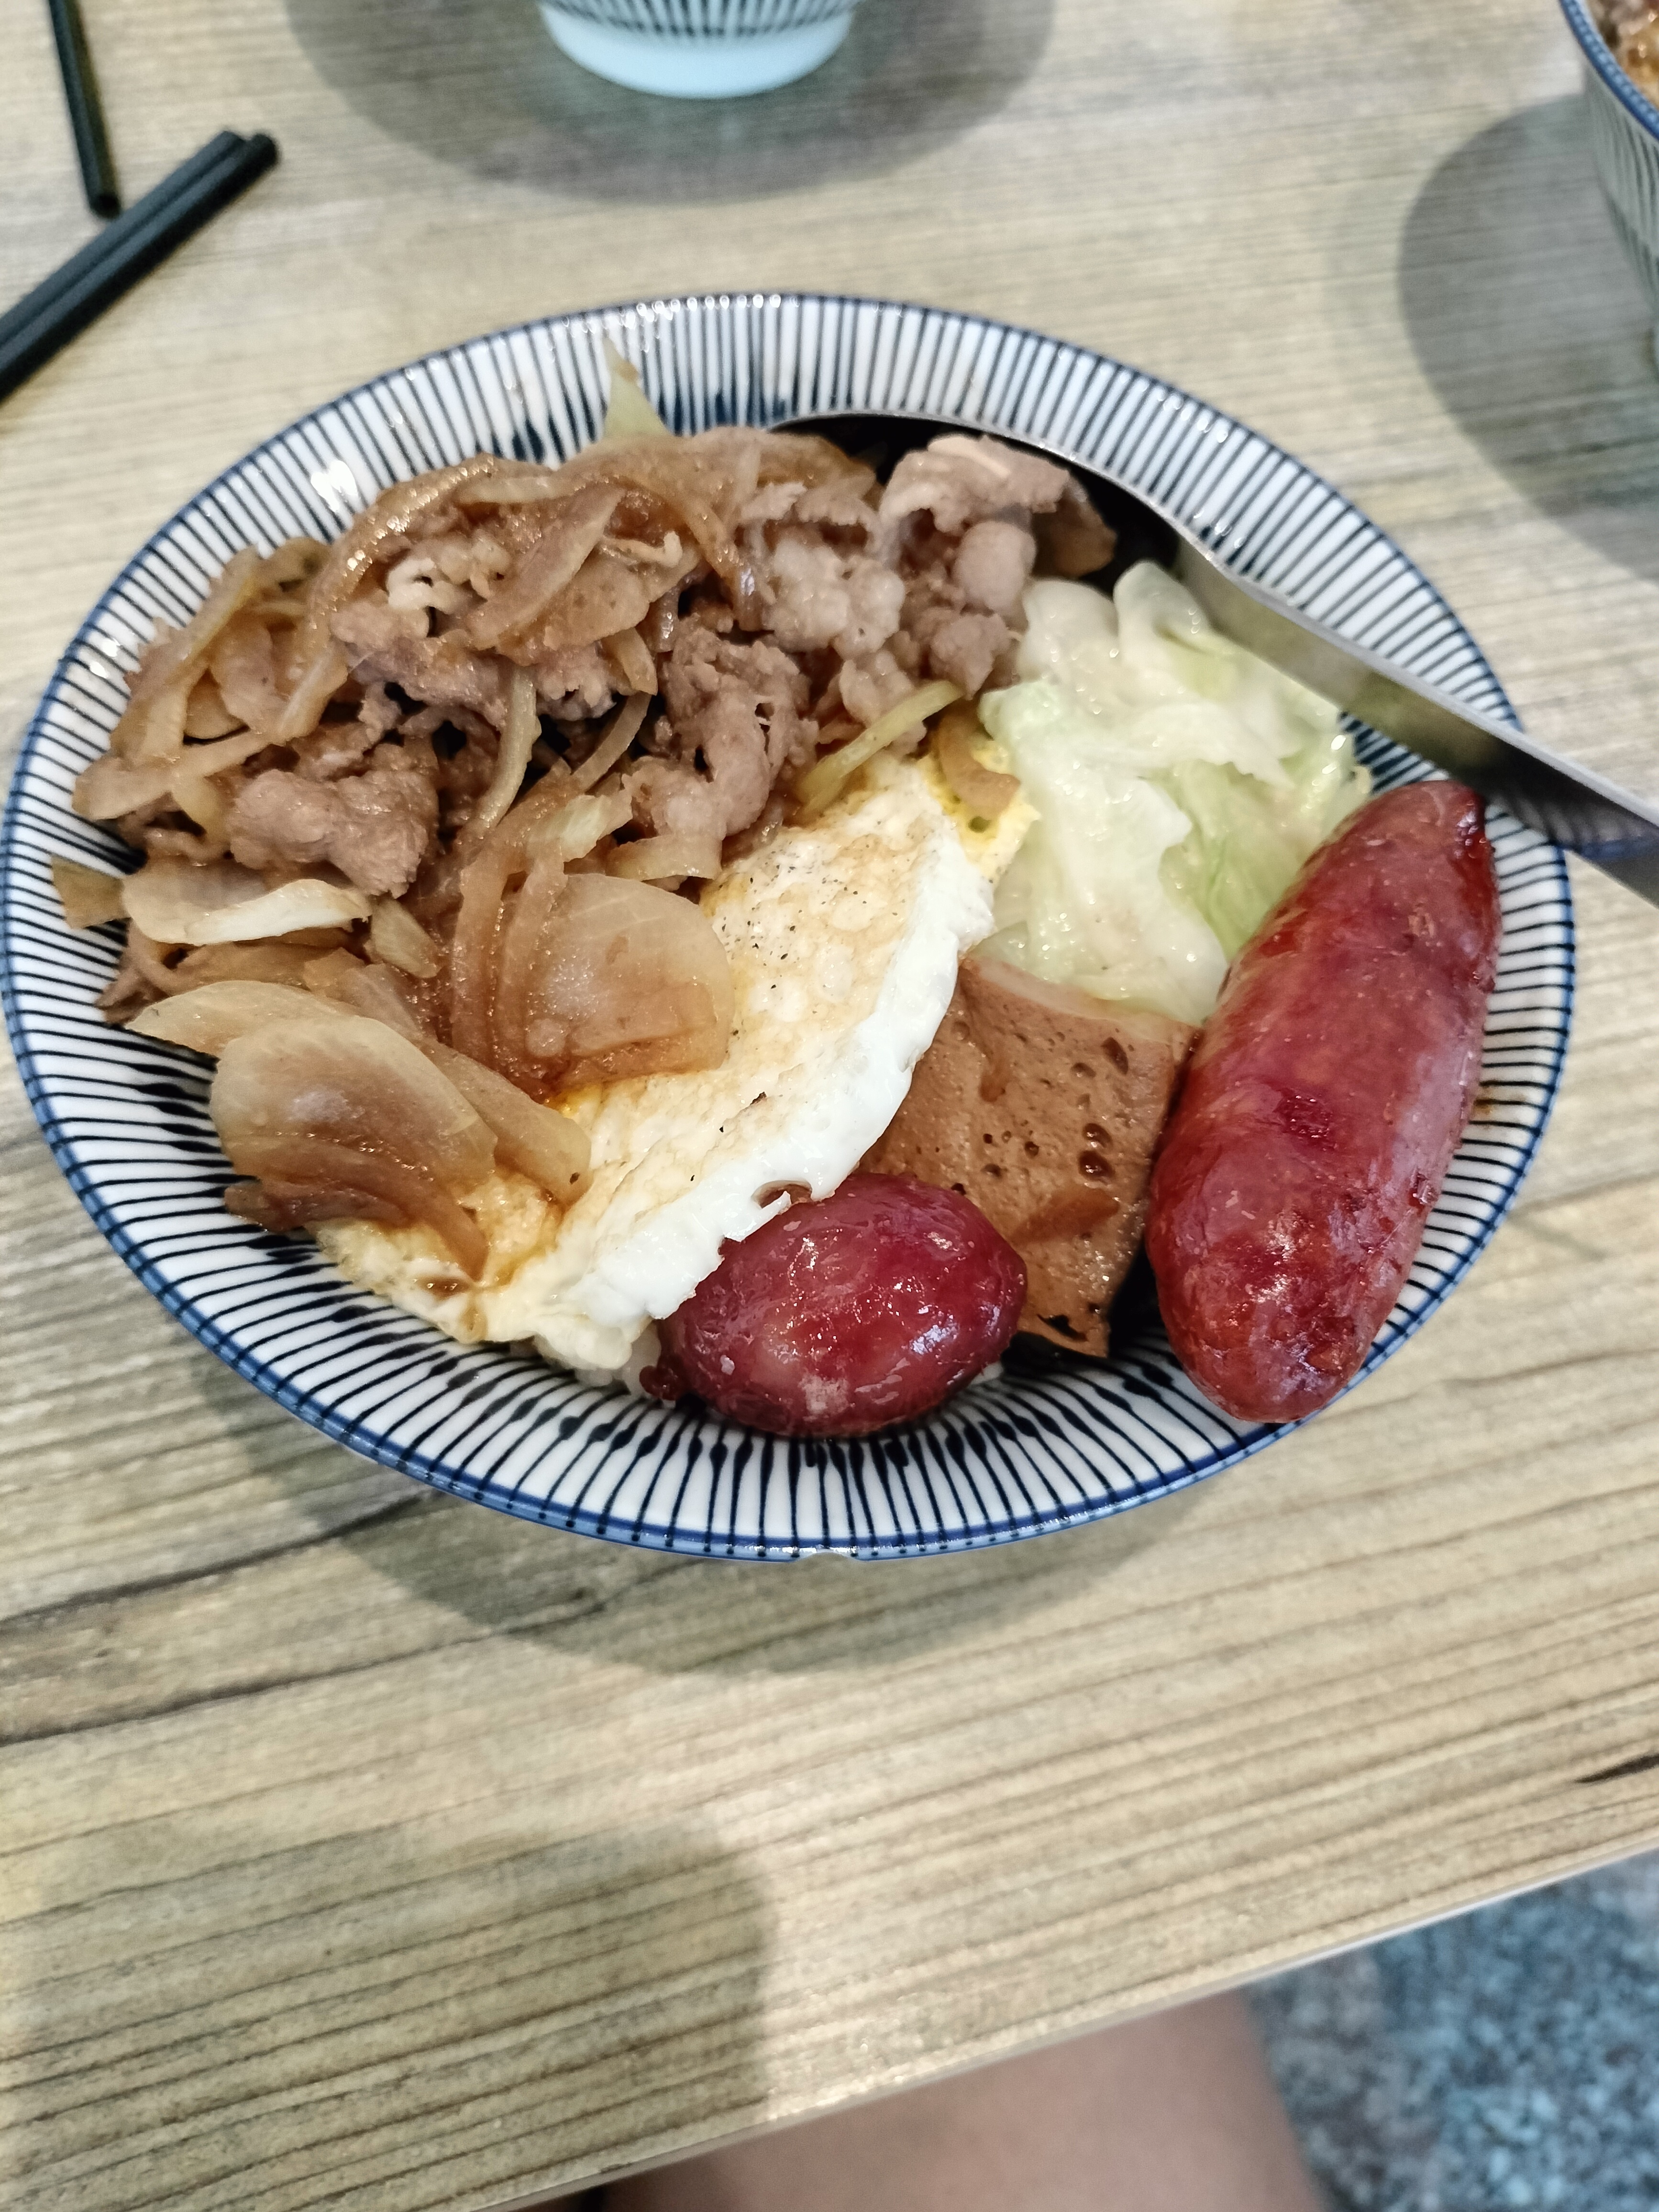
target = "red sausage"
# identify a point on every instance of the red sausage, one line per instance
(1322, 1105)
(864, 1308)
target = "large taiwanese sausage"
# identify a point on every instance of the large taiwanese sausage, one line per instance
(1322, 1105)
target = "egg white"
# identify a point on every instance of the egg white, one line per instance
(843, 935)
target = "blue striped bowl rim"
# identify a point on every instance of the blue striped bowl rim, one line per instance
(1600, 57)
(1012, 1456)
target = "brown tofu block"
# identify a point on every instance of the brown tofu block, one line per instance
(1044, 1106)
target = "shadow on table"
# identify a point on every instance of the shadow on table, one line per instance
(665, 1614)
(672, 1616)
(450, 1985)
(1532, 329)
(480, 84)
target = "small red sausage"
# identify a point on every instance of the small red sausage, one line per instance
(868, 1307)
(1322, 1105)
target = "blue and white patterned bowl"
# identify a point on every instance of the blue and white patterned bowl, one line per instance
(699, 49)
(1012, 1456)
(1625, 134)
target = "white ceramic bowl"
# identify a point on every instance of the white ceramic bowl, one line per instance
(1624, 133)
(699, 49)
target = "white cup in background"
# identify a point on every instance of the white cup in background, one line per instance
(699, 49)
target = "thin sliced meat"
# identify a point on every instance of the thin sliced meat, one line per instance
(442, 671)
(740, 711)
(958, 482)
(964, 648)
(993, 565)
(607, 594)
(375, 827)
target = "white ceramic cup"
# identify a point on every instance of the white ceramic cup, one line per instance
(1625, 138)
(699, 49)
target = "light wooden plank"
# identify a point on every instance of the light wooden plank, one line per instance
(363, 1848)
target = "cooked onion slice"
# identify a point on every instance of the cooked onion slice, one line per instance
(334, 1100)
(270, 961)
(519, 943)
(151, 960)
(206, 714)
(208, 1017)
(179, 902)
(628, 414)
(483, 916)
(530, 485)
(830, 775)
(605, 596)
(363, 986)
(542, 1144)
(338, 1183)
(153, 726)
(545, 1146)
(631, 981)
(517, 742)
(87, 896)
(624, 727)
(295, 560)
(546, 845)
(199, 797)
(586, 820)
(630, 658)
(679, 474)
(286, 1206)
(984, 791)
(242, 666)
(472, 949)
(112, 786)
(397, 937)
(318, 682)
(668, 858)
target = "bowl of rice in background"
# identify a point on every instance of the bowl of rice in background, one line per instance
(1620, 44)
(699, 49)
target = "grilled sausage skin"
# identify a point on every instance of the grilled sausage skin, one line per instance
(1322, 1105)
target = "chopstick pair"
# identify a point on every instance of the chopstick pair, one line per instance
(92, 279)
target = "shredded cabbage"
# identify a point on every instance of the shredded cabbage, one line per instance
(1180, 785)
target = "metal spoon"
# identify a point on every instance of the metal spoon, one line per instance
(1572, 806)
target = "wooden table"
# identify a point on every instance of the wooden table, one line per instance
(364, 1849)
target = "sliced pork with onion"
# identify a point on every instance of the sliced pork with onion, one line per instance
(424, 814)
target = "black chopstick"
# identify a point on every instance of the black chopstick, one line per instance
(92, 279)
(86, 114)
(182, 180)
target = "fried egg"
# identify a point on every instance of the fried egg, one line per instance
(843, 935)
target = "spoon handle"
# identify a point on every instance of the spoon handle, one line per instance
(1572, 806)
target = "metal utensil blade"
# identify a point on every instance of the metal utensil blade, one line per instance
(1572, 806)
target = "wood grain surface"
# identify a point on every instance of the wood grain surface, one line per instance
(361, 1849)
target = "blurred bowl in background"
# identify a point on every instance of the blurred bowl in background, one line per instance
(1624, 133)
(699, 49)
